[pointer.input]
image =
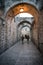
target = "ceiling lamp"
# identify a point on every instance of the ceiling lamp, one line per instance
(21, 10)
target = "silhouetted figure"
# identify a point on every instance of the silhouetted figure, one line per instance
(27, 37)
(22, 38)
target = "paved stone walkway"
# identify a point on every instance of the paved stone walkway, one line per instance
(21, 54)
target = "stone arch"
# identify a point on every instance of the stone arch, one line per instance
(22, 25)
(29, 8)
(18, 2)
(23, 22)
(13, 11)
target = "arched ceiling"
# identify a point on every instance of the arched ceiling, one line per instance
(11, 3)
(12, 12)
(24, 23)
(25, 26)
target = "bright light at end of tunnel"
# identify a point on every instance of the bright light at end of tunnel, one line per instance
(25, 15)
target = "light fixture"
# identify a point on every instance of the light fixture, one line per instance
(21, 10)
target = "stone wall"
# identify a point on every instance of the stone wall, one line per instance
(11, 32)
(2, 36)
(41, 31)
(35, 33)
(8, 34)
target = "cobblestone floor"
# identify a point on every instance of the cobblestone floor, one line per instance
(22, 54)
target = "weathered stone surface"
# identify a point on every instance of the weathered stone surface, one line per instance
(22, 54)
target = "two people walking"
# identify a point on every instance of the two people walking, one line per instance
(25, 37)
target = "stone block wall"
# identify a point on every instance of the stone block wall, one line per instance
(11, 32)
(8, 34)
(34, 33)
(41, 31)
(2, 36)
(37, 32)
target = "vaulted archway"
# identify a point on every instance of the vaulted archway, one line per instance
(22, 8)
(16, 10)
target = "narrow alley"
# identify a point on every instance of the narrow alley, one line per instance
(22, 54)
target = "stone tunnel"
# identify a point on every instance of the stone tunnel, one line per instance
(19, 18)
